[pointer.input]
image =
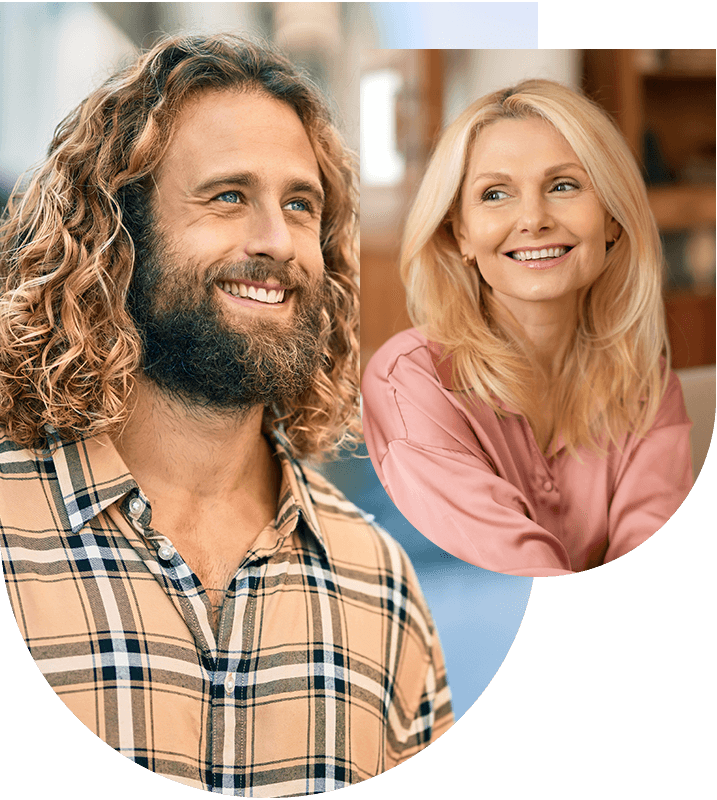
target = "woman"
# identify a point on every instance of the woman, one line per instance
(530, 423)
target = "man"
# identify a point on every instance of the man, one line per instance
(178, 326)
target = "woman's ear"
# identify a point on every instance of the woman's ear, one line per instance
(613, 229)
(459, 232)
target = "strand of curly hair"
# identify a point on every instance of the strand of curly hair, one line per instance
(69, 350)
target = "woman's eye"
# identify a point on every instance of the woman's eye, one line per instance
(493, 195)
(565, 186)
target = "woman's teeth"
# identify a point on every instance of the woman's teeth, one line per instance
(259, 294)
(532, 255)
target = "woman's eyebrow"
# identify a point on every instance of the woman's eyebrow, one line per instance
(503, 176)
(561, 167)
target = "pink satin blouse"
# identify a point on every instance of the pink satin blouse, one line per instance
(480, 487)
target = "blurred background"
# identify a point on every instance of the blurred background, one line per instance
(53, 54)
(662, 100)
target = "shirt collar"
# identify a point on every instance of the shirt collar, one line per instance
(92, 476)
(296, 498)
(442, 364)
(90, 473)
(443, 367)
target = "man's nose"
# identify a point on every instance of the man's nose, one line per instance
(270, 235)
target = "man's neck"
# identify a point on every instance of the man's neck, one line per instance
(176, 450)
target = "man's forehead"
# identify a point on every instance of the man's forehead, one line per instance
(218, 131)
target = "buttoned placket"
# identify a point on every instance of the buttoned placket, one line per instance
(179, 573)
(543, 482)
(139, 514)
(551, 499)
(217, 657)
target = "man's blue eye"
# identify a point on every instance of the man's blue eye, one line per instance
(226, 194)
(299, 205)
(293, 205)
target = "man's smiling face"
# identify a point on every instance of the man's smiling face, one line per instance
(228, 294)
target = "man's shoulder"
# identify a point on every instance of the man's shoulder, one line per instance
(351, 535)
(331, 501)
(362, 553)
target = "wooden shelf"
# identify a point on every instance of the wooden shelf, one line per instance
(674, 102)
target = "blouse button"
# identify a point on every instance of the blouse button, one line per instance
(547, 486)
(135, 507)
(229, 684)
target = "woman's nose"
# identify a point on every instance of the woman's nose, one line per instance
(534, 214)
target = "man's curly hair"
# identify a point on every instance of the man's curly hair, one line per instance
(69, 350)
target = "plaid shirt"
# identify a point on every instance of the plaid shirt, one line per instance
(326, 668)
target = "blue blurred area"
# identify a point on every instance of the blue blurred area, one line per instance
(477, 612)
(455, 25)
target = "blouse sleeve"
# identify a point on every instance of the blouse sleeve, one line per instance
(461, 505)
(447, 490)
(653, 477)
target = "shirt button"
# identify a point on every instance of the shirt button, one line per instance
(135, 507)
(229, 684)
(547, 486)
(166, 553)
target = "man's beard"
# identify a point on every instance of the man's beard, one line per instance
(192, 350)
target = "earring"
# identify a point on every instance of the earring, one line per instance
(467, 262)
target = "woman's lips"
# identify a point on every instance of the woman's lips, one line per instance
(543, 263)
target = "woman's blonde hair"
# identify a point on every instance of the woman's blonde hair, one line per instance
(68, 347)
(614, 376)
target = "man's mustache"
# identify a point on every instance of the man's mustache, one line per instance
(260, 270)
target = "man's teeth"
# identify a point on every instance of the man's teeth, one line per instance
(253, 293)
(532, 255)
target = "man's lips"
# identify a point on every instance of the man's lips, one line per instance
(258, 284)
(258, 292)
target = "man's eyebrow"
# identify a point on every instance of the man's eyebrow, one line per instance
(251, 181)
(506, 178)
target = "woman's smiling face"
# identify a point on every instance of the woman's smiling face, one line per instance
(530, 217)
